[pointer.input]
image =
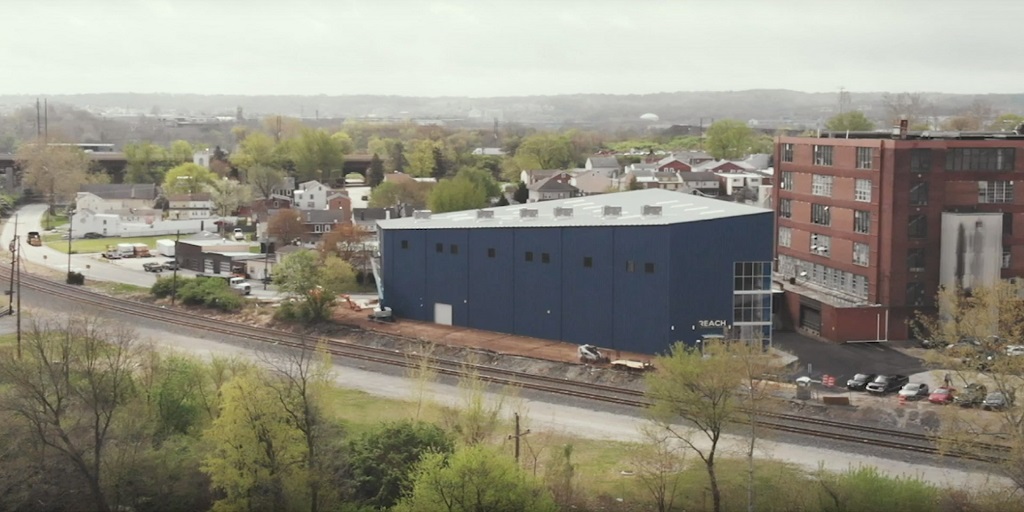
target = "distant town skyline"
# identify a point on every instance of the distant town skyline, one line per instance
(507, 48)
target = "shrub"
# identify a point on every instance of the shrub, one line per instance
(210, 292)
(164, 286)
(76, 278)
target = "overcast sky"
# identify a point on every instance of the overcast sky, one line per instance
(505, 48)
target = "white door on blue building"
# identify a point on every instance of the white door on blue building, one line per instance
(442, 313)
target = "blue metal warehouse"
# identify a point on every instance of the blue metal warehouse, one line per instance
(633, 271)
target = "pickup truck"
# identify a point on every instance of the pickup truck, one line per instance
(236, 283)
(887, 384)
(153, 267)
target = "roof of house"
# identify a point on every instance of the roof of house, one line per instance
(668, 208)
(203, 196)
(539, 174)
(310, 184)
(322, 216)
(122, 190)
(604, 162)
(489, 151)
(698, 176)
(552, 185)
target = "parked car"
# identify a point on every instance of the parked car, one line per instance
(860, 381)
(1015, 350)
(171, 265)
(239, 235)
(995, 401)
(914, 391)
(942, 396)
(887, 384)
(974, 394)
(92, 235)
(153, 267)
(112, 255)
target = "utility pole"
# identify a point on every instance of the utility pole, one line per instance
(517, 435)
(174, 280)
(266, 261)
(18, 312)
(14, 254)
(39, 130)
(46, 121)
(71, 229)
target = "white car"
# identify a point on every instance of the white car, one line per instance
(1015, 350)
(914, 390)
(238, 234)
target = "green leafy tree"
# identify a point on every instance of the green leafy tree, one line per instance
(256, 457)
(393, 193)
(396, 155)
(146, 163)
(382, 459)
(474, 478)
(188, 179)
(522, 193)
(264, 180)
(546, 151)
(375, 174)
(317, 155)
(440, 170)
(180, 152)
(481, 178)
(257, 149)
(178, 396)
(701, 388)
(421, 158)
(315, 282)
(854, 121)
(229, 195)
(730, 139)
(55, 171)
(1006, 122)
(456, 195)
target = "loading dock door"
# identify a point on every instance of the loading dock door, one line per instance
(442, 313)
(810, 318)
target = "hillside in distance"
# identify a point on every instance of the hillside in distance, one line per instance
(770, 107)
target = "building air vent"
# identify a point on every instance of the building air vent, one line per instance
(421, 214)
(563, 213)
(484, 214)
(611, 211)
(528, 213)
(650, 210)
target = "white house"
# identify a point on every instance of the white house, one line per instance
(107, 197)
(311, 195)
(186, 206)
(202, 158)
(133, 222)
(732, 181)
(555, 187)
(606, 165)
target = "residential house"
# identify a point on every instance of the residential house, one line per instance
(132, 222)
(186, 206)
(203, 158)
(340, 201)
(593, 182)
(723, 166)
(318, 222)
(555, 187)
(759, 161)
(533, 176)
(311, 195)
(108, 197)
(286, 188)
(607, 165)
(367, 218)
(701, 183)
(668, 180)
(692, 158)
(673, 164)
(733, 181)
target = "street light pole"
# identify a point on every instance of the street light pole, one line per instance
(174, 281)
(266, 262)
(71, 229)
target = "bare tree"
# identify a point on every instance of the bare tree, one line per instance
(905, 105)
(74, 379)
(264, 180)
(55, 170)
(286, 225)
(423, 373)
(658, 464)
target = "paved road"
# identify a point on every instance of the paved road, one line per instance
(93, 266)
(844, 361)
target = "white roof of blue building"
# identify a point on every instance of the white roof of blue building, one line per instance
(651, 207)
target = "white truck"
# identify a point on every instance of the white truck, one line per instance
(236, 283)
(165, 248)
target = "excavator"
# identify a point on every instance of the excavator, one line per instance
(381, 313)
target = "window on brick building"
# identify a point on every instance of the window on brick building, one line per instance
(917, 226)
(786, 183)
(785, 236)
(915, 259)
(787, 152)
(915, 293)
(919, 193)
(1006, 257)
(822, 155)
(920, 160)
(864, 158)
(821, 245)
(821, 185)
(1008, 223)
(861, 221)
(990, 192)
(980, 159)
(860, 254)
(785, 208)
(820, 215)
(862, 191)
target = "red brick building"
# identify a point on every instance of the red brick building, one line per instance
(870, 224)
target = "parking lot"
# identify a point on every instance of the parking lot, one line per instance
(845, 361)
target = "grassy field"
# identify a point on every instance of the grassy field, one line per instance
(119, 288)
(51, 221)
(85, 246)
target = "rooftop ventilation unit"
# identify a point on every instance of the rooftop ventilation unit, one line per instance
(563, 213)
(528, 213)
(612, 211)
(421, 214)
(653, 211)
(484, 214)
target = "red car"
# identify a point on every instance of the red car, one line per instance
(942, 396)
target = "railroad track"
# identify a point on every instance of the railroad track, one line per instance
(790, 423)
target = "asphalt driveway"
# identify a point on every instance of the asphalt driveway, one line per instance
(844, 361)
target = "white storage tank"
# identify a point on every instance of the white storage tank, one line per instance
(165, 248)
